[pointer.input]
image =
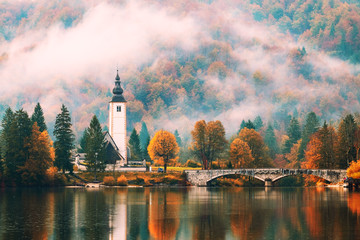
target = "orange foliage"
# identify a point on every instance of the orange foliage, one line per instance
(240, 154)
(40, 159)
(122, 181)
(292, 157)
(354, 170)
(163, 148)
(109, 181)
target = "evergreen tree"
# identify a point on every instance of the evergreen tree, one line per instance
(134, 144)
(178, 138)
(328, 154)
(311, 126)
(83, 140)
(5, 124)
(270, 141)
(145, 153)
(17, 151)
(293, 133)
(258, 123)
(249, 124)
(95, 147)
(64, 140)
(144, 135)
(347, 150)
(38, 117)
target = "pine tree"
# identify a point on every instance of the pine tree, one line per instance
(64, 142)
(5, 124)
(95, 147)
(270, 141)
(38, 117)
(178, 138)
(258, 123)
(293, 133)
(347, 150)
(17, 152)
(311, 126)
(144, 135)
(83, 140)
(145, 153)
(134, 144)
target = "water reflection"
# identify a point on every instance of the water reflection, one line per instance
(180, 213)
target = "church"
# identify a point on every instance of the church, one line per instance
(116, 144)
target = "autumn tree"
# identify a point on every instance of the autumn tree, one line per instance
(208, 141)
(163, 148)
(347, 129)
(259, 150)
(40, 158)
(38, 117)
(292, 156)
(240, 154)
(64, 140)
(353, 170)
(95, 147)
(134, 145)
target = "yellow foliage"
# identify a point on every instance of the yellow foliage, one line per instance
(163, 148)
(109, 181)
(240, 154)
(122, 181)
(354, 170)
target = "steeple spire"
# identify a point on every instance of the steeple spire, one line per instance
(117, 90)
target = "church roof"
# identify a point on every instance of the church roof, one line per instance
(117, 90)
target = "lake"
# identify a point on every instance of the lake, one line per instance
(180, 213)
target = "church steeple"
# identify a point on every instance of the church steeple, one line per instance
(117, 90)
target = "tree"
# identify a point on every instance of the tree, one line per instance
(144, 136)
(292, 157)
(38, 117)
(178, 138)
(329, 147)
(240, 154)
(5, 124)
(95, 147)
(163, 148)
(312, 153)
(353, 170)
(134, 144)
(270, 141)
(145, 153)
(17, 151)
(347, 129)
(40, 159)
(83, 141)
(208, 141)
(294, 135)
(64, 142)
(311, 126)
(258, 123)
(258, 148)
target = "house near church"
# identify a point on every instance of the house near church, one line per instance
(116, 144)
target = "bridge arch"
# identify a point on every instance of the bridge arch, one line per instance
(267, 175)
(232, 174)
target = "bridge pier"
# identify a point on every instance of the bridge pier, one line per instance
(268, 183)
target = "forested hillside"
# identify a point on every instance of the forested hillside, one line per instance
(181, 61)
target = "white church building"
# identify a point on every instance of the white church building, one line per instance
(116, 143)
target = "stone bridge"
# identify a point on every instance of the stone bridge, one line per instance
(267, 175)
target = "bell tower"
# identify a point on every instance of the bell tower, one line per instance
(117, 117)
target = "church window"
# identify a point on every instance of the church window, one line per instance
(118, 108)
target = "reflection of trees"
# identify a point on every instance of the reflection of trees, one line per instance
(64, 205)
(26, 213)
(96, 213)
(164, 214)
(247, 221)
(353, 203)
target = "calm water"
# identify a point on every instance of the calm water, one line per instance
(180, 213)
